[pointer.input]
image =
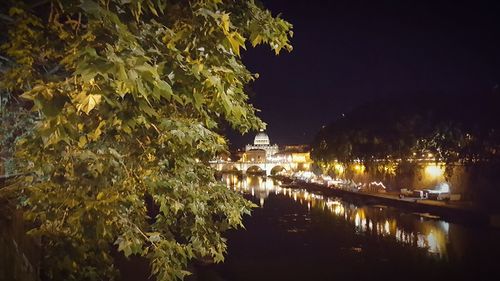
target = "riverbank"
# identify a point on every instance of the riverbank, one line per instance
(460, 212)
(297, 235)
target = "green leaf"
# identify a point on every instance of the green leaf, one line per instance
(164, 90)
(88, 103)
(155, 80)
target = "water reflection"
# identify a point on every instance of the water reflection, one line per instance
(377, 221)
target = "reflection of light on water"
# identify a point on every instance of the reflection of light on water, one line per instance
(338, 210)
(420, 241)
(269, 183)
(445, 225)
(424, 233)
(432, 241)
(360, 220)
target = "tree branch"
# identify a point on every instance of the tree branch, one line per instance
(39, 3)
(6, 18)
(5, 59)
(54, 70)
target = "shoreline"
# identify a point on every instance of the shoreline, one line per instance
(452, 212)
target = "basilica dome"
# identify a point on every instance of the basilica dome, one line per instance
(261, 139)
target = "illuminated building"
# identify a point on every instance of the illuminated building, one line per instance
(261, 143)
(261, 157)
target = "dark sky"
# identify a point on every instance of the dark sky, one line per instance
(350, 52)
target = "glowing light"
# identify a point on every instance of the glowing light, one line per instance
(431, 235)
(390, 168)
(338, 209)
(298, 158)
(434, 170)
(379, 184)
(443, 187)
(357, 220)
(420, 241)
(360, 219)
(359, 168)
(445, 226)
(269, 183)
(338, 168)
(307, 175)
(432, 240)
(326, 178)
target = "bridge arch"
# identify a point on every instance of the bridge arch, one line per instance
(255, 169)
(229, 167)
(276, 169)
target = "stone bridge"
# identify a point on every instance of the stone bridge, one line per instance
(269, 167)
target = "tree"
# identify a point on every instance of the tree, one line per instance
(453, 131)
(127, 97)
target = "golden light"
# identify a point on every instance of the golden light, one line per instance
(300, 158)
(390, 168)
(306, 195)
(339, 169)
(359, 168)
(434, 170)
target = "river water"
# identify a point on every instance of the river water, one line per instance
(297, 235)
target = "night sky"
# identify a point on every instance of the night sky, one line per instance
(349, 52)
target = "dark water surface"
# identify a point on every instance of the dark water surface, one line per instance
(297, 235)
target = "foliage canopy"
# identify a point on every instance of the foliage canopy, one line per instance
(458, 130)
(126, 99)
